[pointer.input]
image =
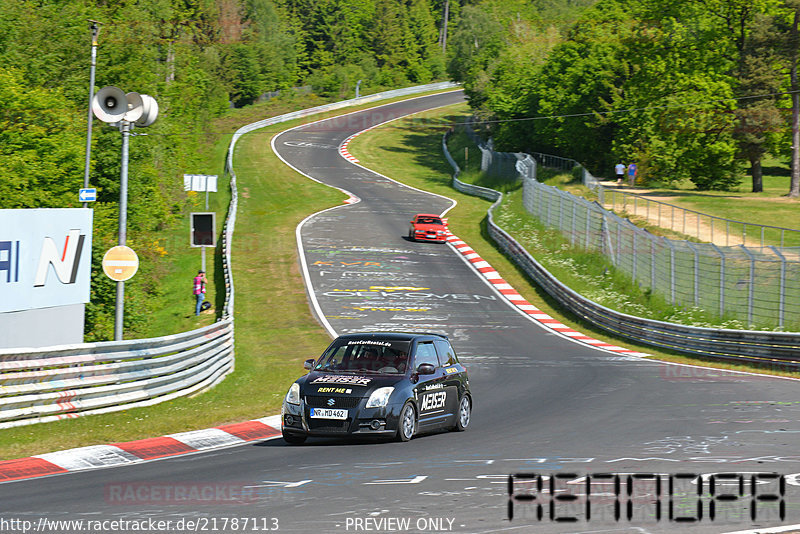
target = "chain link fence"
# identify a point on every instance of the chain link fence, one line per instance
(755, 285)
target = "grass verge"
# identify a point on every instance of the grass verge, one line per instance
(410, 153)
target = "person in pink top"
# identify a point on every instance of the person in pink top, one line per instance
(200, 282)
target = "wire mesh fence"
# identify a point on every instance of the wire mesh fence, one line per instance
(756, 285)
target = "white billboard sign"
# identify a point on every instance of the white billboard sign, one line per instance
(45, 258)
(200, 182)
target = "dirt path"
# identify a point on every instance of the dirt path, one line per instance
(672, 217)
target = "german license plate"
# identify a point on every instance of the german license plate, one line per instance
(328, 413)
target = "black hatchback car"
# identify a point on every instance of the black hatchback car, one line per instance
(379, 384)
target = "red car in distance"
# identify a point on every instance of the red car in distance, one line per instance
(428, 227)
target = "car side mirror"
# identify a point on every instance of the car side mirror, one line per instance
(309, 364)
(426, 369)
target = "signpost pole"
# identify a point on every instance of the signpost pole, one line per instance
(95, 27)
(123, 222)
(203, 249)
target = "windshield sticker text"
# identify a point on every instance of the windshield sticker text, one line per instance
(341, 379)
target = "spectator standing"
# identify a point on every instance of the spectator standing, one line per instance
(200, 282)
(632, 170)
(619, 170)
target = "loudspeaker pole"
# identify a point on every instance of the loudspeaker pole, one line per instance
(117, 108)
(125, 128)
(95, 27)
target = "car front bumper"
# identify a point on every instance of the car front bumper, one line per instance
(423, 236)
(376, 422)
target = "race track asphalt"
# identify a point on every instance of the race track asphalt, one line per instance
(543, 405)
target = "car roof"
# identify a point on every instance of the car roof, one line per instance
(394, 336)
(427, 215)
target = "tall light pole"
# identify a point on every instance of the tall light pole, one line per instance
(95, 27)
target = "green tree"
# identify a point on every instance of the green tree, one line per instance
(475, 46)
(759, 82)
(41, 144)
(274, 45)
(639, 81)
(242, 64)
(787, 23)
(679, 96)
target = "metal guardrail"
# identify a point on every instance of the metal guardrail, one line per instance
(66, 381)
(93, 378)
(780, 348)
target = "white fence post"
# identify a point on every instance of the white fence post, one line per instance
(782, 290)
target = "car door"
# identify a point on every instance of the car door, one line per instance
(430, 392)
(452, 376)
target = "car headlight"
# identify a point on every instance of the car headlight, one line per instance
(380, 397)
(293, 396)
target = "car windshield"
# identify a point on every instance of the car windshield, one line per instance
(429, 220)
(365, 355)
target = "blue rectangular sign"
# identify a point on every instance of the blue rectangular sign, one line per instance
(87, 195)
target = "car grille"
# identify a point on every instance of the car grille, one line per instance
(321, 401)
(328, 426)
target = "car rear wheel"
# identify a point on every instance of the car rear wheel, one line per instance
(464, 413)
(294, 439)
(407, 425)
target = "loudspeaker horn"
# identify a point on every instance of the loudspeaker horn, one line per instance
(110, 104)
(149, 111)
(135, 107)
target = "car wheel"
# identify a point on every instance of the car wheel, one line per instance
(407, 425)
(294, 439)
(411, 235)
(464, 413)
